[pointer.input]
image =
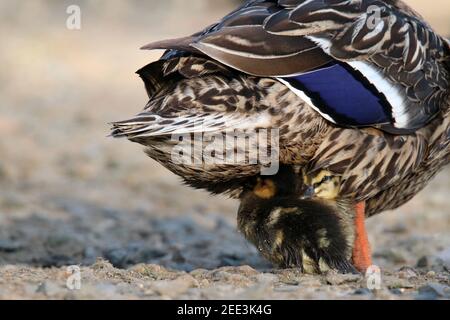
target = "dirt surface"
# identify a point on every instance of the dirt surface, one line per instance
(71, 196)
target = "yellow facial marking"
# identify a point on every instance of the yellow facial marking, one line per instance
(326, 185)
(265, 189)
(320, 176)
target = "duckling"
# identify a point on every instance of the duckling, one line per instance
(312, 235)
(326, 186)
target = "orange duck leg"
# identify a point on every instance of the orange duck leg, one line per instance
(362, 256)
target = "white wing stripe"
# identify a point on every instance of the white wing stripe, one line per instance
(307, 99)
(391, 92)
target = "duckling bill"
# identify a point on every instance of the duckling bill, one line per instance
(314, 236)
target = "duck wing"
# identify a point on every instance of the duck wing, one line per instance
(358, 63)
(190, 94)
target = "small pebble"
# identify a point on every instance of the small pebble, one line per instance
(422, 262)
(431, 274)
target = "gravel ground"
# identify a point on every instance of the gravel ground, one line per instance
(71, 196)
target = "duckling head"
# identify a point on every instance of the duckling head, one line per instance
(323, 185)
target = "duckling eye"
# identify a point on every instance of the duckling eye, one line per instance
(327, 179)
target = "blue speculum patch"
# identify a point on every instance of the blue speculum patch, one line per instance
(344, 94)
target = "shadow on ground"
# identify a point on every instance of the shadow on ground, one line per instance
(124, 239)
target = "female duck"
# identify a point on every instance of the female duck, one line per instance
(357, 88)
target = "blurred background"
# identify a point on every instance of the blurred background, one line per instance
(69, 194)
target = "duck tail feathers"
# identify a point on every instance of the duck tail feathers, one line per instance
(151, 125)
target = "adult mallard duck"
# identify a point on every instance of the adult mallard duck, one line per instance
(358, 89)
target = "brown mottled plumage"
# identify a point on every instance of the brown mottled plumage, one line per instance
(225, 78)
(436, 157)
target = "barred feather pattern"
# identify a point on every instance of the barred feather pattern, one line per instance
(224, 78)
(437, 158)
(373, 164)
(385, 170)
(282, 38)
(196, 92)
